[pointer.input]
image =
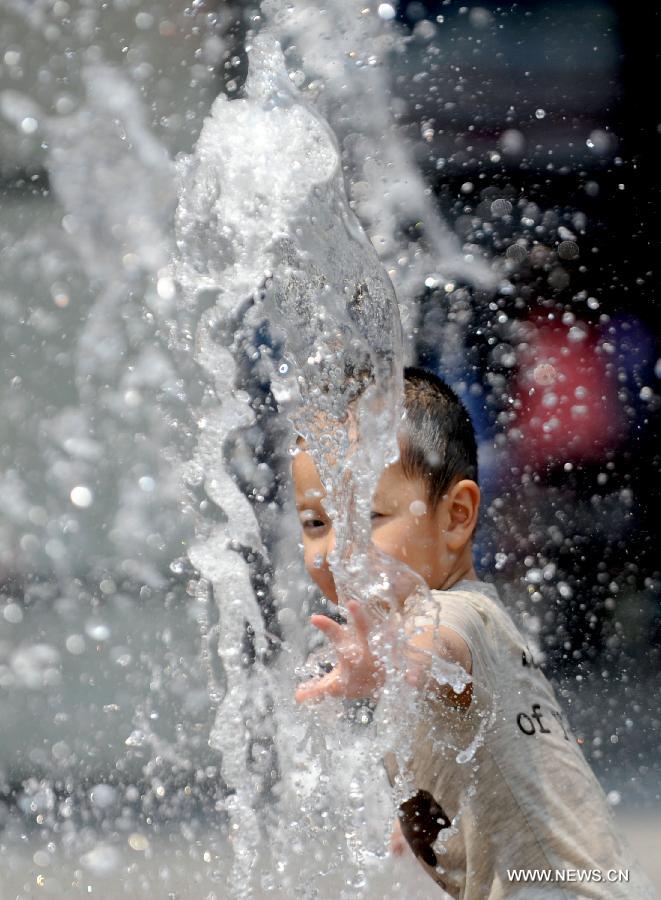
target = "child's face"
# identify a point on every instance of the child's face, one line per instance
(402, 525)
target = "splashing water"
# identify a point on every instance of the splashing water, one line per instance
(264, 224)
(340, 50)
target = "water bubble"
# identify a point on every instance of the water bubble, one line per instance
(103, 795)
(480, 17)
(576, 334)
(138, 842)
(55, 549)
(568, 250)
(102, 860)
(41, 858)
(29, 125)
(137, 738)
(501, 560)
(386, 11)
(599, 140)
(540, 113)
(75, 644)
(418, 508)
(81, 496)
(36, 666)
(12, 613)
(501, 207)
(165, 288)
(534, 576)
(65, 104)
(544, 374)
(98, 631)
(144, 21)
(512, 142)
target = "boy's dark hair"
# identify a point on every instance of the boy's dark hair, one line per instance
(438, 443)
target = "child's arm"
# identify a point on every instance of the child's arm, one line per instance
(360, 674)
(444, 643)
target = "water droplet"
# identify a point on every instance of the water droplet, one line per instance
(137, 738)
(75, 644)
(138, 842)
(501, 207)
(165, 288)
(81, 496)
(101, 860)
(103, 795)
(568, 250)
(29, 125)
(98, 631)
(12, 613)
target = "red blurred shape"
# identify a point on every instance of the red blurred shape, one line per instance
(569, 406)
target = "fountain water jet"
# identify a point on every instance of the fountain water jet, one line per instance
(263, 223)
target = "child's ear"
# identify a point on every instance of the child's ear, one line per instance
(463, 506)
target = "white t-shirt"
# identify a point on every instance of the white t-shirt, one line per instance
(523, 796)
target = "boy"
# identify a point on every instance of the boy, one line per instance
(500, 781)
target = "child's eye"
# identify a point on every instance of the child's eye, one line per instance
(310, 521)
(313, 523)
(376, 515)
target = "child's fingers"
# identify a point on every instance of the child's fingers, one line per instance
(360, 618)
(317, 688)
(398, 842)
(398, 845)
(331, 628)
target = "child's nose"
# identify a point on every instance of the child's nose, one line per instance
(330, 543)
(326, 550)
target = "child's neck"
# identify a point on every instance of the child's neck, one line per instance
(463, 570)
(467, 574)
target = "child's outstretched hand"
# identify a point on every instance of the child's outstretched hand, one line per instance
(359, 673)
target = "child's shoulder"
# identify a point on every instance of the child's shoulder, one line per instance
(469, 598)
(474, 591)
(475, 610)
